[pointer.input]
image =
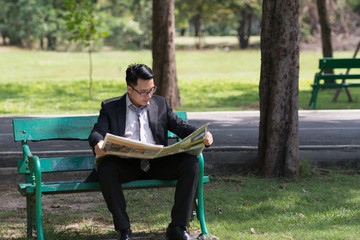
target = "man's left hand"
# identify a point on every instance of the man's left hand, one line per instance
(208, 139)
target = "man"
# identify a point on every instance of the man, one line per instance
(142, 116)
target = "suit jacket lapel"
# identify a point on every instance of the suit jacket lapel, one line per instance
(153, 118)
(121, 115)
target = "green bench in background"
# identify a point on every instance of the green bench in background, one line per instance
(73, 128)
(320, 80)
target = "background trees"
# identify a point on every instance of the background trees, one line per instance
(39, 23)
(29, 23)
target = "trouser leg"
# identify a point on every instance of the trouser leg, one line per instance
(185, 169)
(185, 192)
(112, 172)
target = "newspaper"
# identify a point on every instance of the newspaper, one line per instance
(124, 147)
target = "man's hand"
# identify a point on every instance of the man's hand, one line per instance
(208, 139)
(98, 151)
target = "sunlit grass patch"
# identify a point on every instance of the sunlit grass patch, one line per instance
(40, 82)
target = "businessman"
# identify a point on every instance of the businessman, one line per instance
(143, 116)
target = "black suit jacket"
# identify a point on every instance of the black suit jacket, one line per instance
(112, 119)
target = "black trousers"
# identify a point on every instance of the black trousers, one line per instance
(113, 171)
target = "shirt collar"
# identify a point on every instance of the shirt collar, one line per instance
(128, 103)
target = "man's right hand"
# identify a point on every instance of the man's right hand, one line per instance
(98, 149)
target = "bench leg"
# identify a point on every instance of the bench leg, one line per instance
(39, 222)
(31, 216)
(38, 206)
(200, 199)
(348, 94)
(314, 97)
(34, 165)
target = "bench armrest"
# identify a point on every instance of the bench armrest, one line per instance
(35, 179)
(34, 165)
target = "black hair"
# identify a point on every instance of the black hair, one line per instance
(136, 71)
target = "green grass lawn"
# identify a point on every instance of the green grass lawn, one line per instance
(322, 207)
(39, 82)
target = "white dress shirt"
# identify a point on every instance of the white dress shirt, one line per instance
(138, 128)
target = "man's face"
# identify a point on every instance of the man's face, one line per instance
(143, 87)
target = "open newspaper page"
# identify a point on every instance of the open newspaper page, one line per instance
(124, 147)
(192, 144)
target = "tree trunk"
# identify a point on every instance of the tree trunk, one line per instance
(51, 42)
(15, 41)
(197, 25)
(3, 38)
(198, 33)
(41, 43)
(163, 50)
(278, 133)
(325, 29)
(90, 72)
(244, 29)
(182, 31)
(325, 34)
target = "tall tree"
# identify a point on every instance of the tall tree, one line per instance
(82, 24)
(278, 134)
(163, 50)
(325, 28)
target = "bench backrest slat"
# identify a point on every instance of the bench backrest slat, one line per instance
(53, 128)
(77, 128)
(333, 63)
(58, 128)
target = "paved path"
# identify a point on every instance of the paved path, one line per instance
(315, 127)
(238, 129)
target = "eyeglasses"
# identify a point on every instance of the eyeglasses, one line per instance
(145, 93)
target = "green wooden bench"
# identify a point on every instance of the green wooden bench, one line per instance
(322, 76)
(57, 128)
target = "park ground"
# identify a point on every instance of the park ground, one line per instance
(319, 204)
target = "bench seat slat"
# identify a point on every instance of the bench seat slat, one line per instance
(80, 186)
(61, 164)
